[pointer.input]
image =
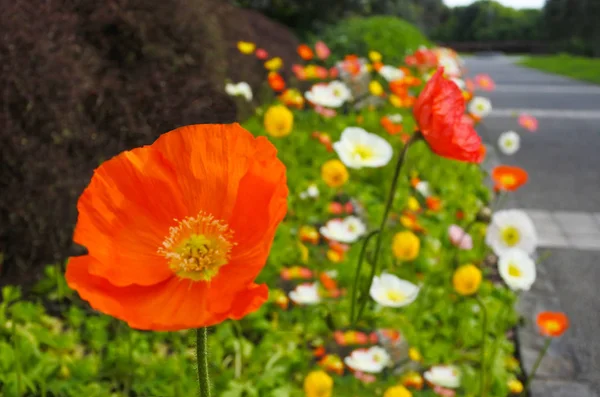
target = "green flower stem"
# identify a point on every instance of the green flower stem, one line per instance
(483, 334)
(388, 206)
(536, 365)
(17, 358)
(202, 361)
(363, 251)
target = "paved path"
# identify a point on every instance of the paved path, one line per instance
(563, 198)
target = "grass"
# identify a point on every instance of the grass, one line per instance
(580, 68)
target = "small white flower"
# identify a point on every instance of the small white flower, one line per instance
(480, 107)
(450, 65)
(305, 294)
(443, 375)
(312, 191)
(509, 142)
(517, 269)
(240, 89)
(511, 229)
(372, 360)
(303, 195)
(332, 95)
(423, 188)
(358, 148)
(391, 291)
(395, 118)
(391, 73)
(346, 230)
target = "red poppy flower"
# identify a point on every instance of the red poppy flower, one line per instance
(322, 50)
(305, 52)
(177, 231)
(433, 203)
(439, 112)
(261, 54)
(552, 324)
(509, 178)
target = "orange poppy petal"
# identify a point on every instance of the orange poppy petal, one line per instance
(209, 161)
(173, 304)
(124, 215)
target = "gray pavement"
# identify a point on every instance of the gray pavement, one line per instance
(563, 198)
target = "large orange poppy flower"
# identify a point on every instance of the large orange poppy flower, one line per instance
(507, 177)
(177, 231)
(552, 324)
(439, 112)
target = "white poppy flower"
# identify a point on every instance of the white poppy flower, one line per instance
(358, 148)
(509, 142)
(423, 188)
(391, 73)
(443, 376)
(240, 89)
(480, 107)
(451, 67)
(459, 82)
(312, 191)
(372, 360)
(391, 291)
(511, 229)
(517, 269)
(346, 230)
(395, 118)
(332, 95)
(305, 294)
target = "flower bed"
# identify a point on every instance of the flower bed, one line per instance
(389, 274)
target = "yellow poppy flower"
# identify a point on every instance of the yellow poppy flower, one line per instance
(334, 173)
(406, 245)
(467, 279)
(374, 56)
(375, 88)
(246, 47)
(397, 391)
(274, 64)
(318, 384)
(279, 121)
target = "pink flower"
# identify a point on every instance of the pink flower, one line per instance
(348, 207)
(321, 72)
(339, 337)
(365, 378)
(442, 391)
(485, 82)
(459, 238)
(261, 54)
(335, 208)
(299, 71)
(322, 50)
(528, 122)
(327, 113)
(334, 72)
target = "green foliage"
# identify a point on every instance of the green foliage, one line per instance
(391, 36)
(581, 68)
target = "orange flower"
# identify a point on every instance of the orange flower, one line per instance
(399, 88)
(327, 282)
(390, 126)
(276, 82)
(305, 52)
(509, 178)
(177, 231)
(377, 66)
(552, 324)
(433, 203)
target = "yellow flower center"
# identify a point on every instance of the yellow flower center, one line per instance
(513, 270)
(363, 152)
(552, 326)
(395, 296)
(480, 107)
(508, 180)
(509, 143)
(510, 235)
(197, 247)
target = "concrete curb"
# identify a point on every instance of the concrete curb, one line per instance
(557, 374)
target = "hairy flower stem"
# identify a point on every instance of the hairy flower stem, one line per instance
(538, 361)
(388, 206)
(483, 334)
(202, 361)
(363, 251)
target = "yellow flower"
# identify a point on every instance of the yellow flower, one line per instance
(318, 384)
(374, 56)
(246, 47)
(467, 279)
(414, 354)
(515, 386)
(334, 173)
(406, 245)
(413, 204)
(274, 64)
(397, 391)
(334, 256)
(375, 88)
(303, 252)
(395, 100)
(369, 67)
(279, 121)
